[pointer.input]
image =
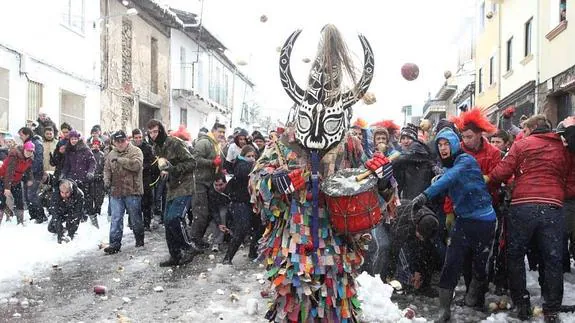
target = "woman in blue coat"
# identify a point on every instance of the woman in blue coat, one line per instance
(474, 228)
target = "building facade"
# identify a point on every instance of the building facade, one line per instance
(487, 54)
(51, 62)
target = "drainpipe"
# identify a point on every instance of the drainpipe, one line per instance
(499, 53)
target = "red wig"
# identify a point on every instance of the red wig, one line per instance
(475, 120)
(387, 124)
(182, 133)
(360, 123)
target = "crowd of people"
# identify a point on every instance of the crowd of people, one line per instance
(464, 197)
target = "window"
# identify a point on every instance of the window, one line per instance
(4, 98)
(480, 80)
(154, 65)
(509, 60)
(528, 33)
(35, 98)
(73, 15)
(184, 117)
(183, 68)
(491, 69)
(563, 10)
(482, 16)
(557, 13)
(72, 109)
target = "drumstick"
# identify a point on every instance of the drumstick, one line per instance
(363, 176)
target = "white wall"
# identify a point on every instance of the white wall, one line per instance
(515, 13)
(70, 60)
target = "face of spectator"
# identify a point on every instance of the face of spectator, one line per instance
(380, 139)
(65, 132)
(74, 141)
(405, 142)
(28, 153)
(251, 156)
(95, 134)
(471, 140)
(219, 185)
(138, 139)
(242, 141)
(260, 143)
(22, 136)
(499, 143)
(48, 135)
(65, 192)
(154, 132)
(43, 116)
(219, 133)
(357, 133)
(121, 144)
(443, 148)
(527, 131)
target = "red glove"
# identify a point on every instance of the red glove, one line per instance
(217, 161)
(297, 179)
(509, 112)
(380, 166)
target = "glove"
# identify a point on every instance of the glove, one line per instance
(286, 183)
(297, 180)
(449, 220)
(163, 163)
(217, 162)
(90, 176)
(419, 201)
(509, 112)
(380, 165)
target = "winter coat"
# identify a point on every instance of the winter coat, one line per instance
(78, 162)
(38, 161)
(413, 170)
(49, 147)
(4, 151)
(238, 185)
(42, 125)
(150, 170)
(123, 172)
(181, 173)
(15, 167)
(57, 159)
(463, 183)
(540, 165)
(73, 206)
(487, 157)
(100, 160)
(204, 152)
(217, 200)
(569, 136)
(570, 186)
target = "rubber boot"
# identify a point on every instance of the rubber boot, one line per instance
(139, 240)
(19, 216)
(445, 297)
(476, 294)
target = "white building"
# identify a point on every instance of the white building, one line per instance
(50, 58)
(206, 85)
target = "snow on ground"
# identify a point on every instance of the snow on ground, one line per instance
(28, 249)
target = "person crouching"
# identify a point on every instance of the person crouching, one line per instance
(123, 177)
(474, 228)
(67, 206)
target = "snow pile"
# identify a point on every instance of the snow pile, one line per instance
(376, 304)
(31, 248)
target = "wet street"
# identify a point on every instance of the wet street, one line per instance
(138, 290)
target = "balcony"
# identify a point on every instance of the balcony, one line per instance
(192, 99)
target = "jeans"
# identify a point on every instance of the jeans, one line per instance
(119, 205)
(95, 198)
(201, 213)
(244, 222)
(378, 251)
(468, 238)
(177, 236)
(546, 225)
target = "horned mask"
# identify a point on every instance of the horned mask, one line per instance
(322, 112)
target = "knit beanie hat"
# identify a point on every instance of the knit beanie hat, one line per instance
(410, 131)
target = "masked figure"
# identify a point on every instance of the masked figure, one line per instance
(310, 266)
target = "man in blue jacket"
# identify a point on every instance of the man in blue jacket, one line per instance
(474, 227)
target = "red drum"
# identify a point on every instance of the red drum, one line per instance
(353, 206)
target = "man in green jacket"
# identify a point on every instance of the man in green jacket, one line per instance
(177, 165)
(208, 156)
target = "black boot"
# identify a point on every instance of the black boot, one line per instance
(524, 312)
(139, 240)
(445, 297)
(172, 262)
(476, 294)
(109, 250)
(551, 317)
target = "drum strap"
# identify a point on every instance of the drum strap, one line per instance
(315, 198)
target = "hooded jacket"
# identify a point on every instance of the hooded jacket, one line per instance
(73, 206)
(204, 152)
(78, 162)
(42, 125)
(181, 173)
(413, 170)
(15, 167)
(123, 172)
(463, 183)
(487, 157)
(540, 165)
(239, 185)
